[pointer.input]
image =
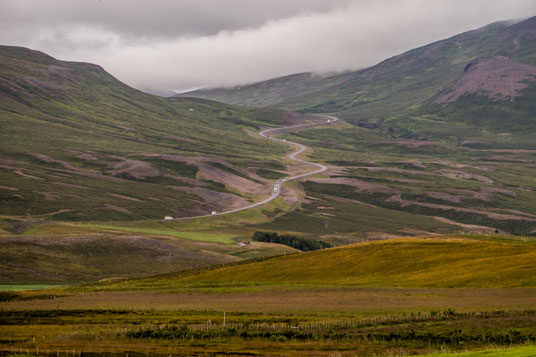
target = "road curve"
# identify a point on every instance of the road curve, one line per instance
(319, 168)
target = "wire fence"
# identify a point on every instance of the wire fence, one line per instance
(498, 236)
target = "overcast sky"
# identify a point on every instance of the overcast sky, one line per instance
(159, 45)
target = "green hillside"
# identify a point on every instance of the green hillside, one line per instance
(67, 259)
(438, 137)
(433, 262)
(77, 144)
(399, 86)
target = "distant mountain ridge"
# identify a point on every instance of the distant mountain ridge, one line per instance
(403, 83)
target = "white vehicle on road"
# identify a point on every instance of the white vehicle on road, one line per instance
(300, 149)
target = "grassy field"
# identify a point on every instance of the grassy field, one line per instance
(56, 259)
(21, 287)
(415, 298)
(188, 332)
(526, 351)
(204, 237)
(74, 252)
(63, 255)
(431, 262)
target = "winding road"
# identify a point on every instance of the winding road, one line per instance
(292, 156)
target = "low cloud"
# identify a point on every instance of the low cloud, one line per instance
(180, 45)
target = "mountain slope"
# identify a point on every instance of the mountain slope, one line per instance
(78, 144)
(497, 77)
(397, 85)
(263, 94)
(402, 145)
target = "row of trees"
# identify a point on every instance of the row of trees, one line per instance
(301, 243)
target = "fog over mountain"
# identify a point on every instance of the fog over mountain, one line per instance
(167, 45)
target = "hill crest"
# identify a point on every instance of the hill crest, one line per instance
(402, 262)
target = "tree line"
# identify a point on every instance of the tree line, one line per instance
(301, 243)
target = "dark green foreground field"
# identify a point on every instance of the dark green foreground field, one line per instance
(393, 297)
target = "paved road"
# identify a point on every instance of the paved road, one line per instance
(277, 185)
